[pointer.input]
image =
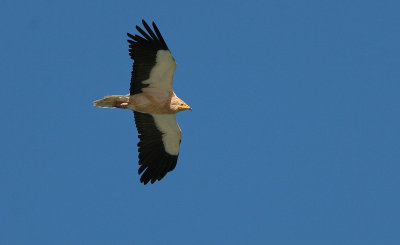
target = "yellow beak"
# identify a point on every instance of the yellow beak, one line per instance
(186, 107)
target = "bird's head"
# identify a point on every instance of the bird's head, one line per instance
(179, 105)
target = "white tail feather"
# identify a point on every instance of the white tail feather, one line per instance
(111, 101)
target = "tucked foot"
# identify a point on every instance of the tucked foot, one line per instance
(122, 105)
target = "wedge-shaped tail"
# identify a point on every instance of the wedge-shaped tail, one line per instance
(112, 101)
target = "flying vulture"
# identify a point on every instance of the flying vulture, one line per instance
(153, 103)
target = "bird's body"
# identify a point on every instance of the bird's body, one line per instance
(154, 104)
(151, 100)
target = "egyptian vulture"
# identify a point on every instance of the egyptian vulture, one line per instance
(153, 103)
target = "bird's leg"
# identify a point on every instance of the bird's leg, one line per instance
(122, 102)
(122, 105)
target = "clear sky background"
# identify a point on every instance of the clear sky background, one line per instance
(293, 139)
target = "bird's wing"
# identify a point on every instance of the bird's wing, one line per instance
(160, 137)
(153, 64)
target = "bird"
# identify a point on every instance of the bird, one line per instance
(153, 102)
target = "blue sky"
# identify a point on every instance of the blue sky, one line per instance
(294, 137)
